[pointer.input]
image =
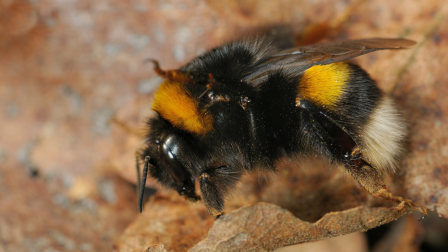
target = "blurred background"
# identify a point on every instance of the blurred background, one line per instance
(75, 91)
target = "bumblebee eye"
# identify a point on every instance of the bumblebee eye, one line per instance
(170, 161)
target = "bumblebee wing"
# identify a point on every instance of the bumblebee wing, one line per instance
(296, 60)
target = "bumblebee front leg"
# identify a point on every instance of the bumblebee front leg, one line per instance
(214, 184)
(212, 197)
(343, 149)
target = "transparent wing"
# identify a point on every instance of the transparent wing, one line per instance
(297, 60)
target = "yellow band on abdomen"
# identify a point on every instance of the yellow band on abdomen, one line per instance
(324, 84)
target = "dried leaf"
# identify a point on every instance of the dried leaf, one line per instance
(266, 227)
(177, 224)
(168, 220)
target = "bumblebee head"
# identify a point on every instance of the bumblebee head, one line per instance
(177, 163)
(170, 157)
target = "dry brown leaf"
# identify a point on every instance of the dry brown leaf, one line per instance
(168, 220)
(265, 227)
(178, 225)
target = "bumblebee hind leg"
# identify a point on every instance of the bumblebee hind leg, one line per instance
(371, 179)
(343, 149)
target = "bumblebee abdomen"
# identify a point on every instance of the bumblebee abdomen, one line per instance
(347, 95)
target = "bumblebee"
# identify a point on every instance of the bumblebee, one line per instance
(245, 105)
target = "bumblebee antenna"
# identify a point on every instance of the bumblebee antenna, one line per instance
(142, 184)
(172, 75)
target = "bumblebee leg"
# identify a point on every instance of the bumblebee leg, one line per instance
(343, 149)
(387, 195)
(212, 197)
(374, 183)
(366, 175)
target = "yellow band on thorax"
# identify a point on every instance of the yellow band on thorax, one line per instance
(174, 103)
